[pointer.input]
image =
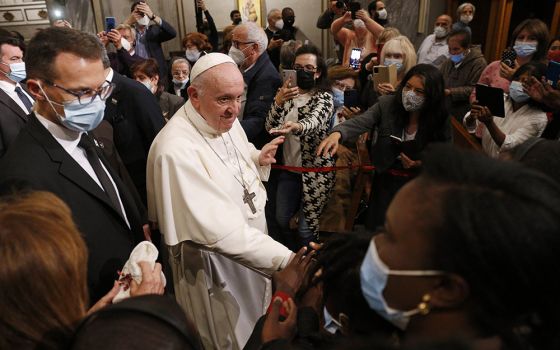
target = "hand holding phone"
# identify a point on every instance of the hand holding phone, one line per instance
(354, 7)
(508, 57)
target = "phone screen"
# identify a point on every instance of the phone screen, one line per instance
(355, 56)
(553, 74)
(110, 23)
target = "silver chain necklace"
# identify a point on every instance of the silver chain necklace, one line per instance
(247, 196)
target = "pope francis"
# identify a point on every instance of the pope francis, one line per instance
(206, 195)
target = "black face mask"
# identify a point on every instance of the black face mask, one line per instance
(305, 80)
(237, 21)
(289, 22)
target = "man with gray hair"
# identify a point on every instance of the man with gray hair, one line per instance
(206, 194)
(262, 80)
(465, 15)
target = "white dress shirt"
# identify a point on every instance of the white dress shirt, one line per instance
(69, 140)
(10, 90)
(433, 51)
(518, 126)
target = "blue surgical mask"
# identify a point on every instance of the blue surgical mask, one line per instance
(180, 84)
(79, 117)
(17, 71)
(524, 49)
(338, 97)
(516, 92)
(458, 58)
(373, 277)
(147, 84)
(396, 61)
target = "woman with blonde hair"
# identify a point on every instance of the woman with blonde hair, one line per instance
(400, 52)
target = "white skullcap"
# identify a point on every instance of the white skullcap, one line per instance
(208, 61)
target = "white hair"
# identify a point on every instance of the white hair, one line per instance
(255, 34)
(462, 6)
(271, 12)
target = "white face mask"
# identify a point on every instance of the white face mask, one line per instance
(466, 18)
(358, 23)
(440, 32)
(279, 24)
(144, 21)
(374, 275)
(125, 44)
(192, 54)
(237, 55)
(382, 14)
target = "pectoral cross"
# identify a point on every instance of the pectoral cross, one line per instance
(248, 199)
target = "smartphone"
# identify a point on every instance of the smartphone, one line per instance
(508, 57)
(290, 74)
(276, 36)
(354, 7)
(110, 23)
(553, 74)
(491, 97)
(355, 56)
(384, 74)
(351, 98)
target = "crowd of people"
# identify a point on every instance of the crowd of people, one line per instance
(240, 161)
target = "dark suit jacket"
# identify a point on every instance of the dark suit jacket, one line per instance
(155, 35)
(12, 120)
(39, 161)
(121, 61)
(136, 117)
(263, 81)
(184, 93)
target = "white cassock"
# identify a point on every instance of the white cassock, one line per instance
(216, 242)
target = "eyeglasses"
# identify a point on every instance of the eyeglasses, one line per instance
(86, 97)
(341, 86)
(307, 68)
(236, 43)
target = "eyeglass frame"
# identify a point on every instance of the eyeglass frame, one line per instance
(79, 95)
(305, 68)
(236, 43)
(343, 87)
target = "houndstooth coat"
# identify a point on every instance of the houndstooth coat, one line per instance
(314, 117)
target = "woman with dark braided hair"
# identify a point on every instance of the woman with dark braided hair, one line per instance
(470, 250)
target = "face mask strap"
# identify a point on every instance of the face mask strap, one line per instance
(51, 102)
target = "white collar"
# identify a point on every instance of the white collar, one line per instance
(7, 86)
(67, 138)
(110, 75)
(198, 121)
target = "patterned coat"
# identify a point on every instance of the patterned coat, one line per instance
(314, 117)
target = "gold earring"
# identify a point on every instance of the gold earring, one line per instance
(424, 306)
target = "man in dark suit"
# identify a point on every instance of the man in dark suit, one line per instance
(136, 117)
(15, 101)
(149, 37)
(262, 80)
(53, 152)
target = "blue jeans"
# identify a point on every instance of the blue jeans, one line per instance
(288, 203)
